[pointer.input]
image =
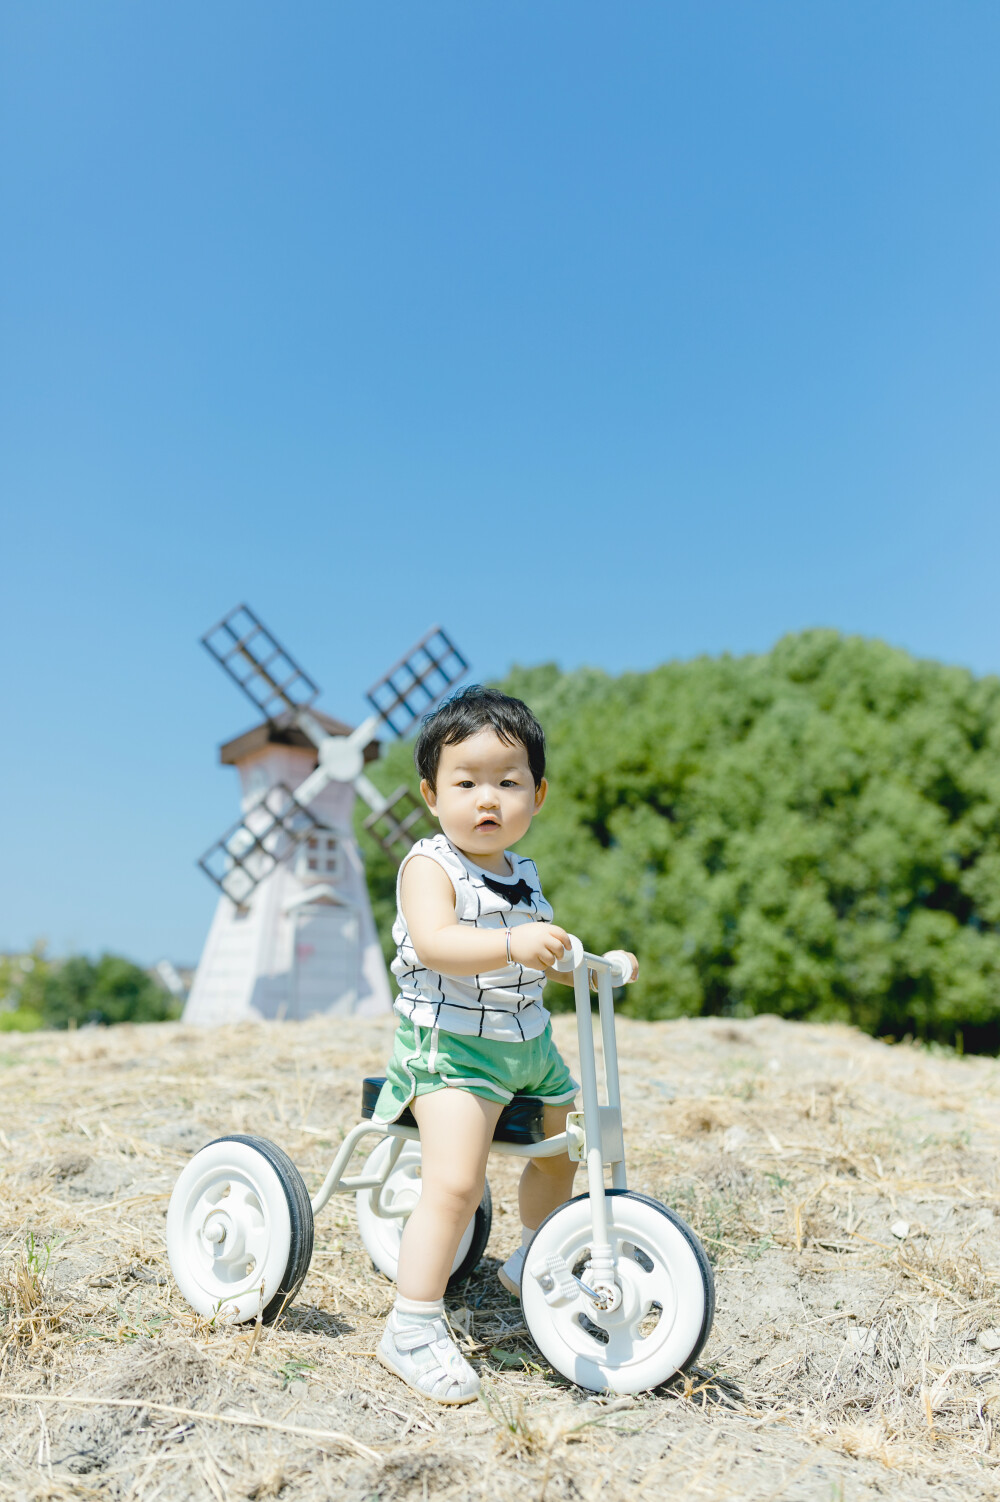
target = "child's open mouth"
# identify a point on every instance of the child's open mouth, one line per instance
(488, 824)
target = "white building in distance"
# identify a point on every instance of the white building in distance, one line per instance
(305, 941)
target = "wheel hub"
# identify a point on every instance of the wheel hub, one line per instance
(231, 1232)
(403, 1202)
(610, 1298)
(225, 1240)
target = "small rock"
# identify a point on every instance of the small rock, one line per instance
(298, 1388)
(69, 1166)
(901, 1229)
(734, 1139)
(989, 1340)
(143, 1274)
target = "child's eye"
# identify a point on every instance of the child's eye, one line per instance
(509, 782)
(467, 784)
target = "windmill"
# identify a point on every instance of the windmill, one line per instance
(293, 933)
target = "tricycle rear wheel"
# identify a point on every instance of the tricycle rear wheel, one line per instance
(382, 1234)
(240, 1230)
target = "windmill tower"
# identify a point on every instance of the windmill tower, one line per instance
(293, 933)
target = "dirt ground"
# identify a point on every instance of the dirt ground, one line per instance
(847, 1192)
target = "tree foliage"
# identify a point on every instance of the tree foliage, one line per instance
(814, 831)
(39, 992)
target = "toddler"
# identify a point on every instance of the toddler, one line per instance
(475, 942)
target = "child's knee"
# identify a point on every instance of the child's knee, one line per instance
(554, 1168)
(452, 1188)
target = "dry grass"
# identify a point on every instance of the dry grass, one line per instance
(847, 1192)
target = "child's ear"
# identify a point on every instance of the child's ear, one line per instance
(429, 796)
(540, 792)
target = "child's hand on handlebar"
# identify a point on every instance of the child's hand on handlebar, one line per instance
(538, 945)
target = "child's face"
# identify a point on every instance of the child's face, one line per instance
(486, 796)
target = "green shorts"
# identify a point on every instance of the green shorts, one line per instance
(425, 1059)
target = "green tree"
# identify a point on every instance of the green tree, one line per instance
(78, 990)
(19, 990)
(814, 831)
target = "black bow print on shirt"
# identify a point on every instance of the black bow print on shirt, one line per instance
(511, 891)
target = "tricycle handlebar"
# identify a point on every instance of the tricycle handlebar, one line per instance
(616, 963)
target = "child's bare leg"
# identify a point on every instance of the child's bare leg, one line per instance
(546, 1182)
(456, 1129)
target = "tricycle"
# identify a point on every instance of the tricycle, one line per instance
(617, 1292)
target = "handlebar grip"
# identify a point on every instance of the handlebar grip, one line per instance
(572, 956)
(622, 960)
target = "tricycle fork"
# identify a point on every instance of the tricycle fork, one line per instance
(602, 1263)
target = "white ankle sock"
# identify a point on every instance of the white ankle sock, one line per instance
(419, 1308)
(526, 1235)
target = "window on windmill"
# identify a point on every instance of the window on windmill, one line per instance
(319, 859)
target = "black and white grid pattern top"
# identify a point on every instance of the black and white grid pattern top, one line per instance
(504, 1004)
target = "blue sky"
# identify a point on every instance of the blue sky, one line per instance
(600, 334)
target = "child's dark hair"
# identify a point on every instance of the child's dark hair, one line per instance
(476, 708)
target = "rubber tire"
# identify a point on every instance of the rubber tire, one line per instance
(300, 1225)
(300, 1214)
(702, 1266)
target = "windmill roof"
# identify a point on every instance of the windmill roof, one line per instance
(283, 731)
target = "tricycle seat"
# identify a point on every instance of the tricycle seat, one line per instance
(520, 1122)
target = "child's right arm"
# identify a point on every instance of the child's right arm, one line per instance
(427, 898)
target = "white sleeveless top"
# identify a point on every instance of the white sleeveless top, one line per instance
(505, 1003)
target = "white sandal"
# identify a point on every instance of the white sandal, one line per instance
(424, 1356)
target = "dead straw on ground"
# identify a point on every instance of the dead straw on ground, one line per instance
(847, 1192)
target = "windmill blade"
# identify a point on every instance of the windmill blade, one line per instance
(393, 820)
(257, 662)
(410, 689)
(251, 849)
(418, 681)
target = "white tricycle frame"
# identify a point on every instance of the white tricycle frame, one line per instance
(616, 1291)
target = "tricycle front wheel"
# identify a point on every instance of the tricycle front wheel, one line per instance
(666, 1303)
